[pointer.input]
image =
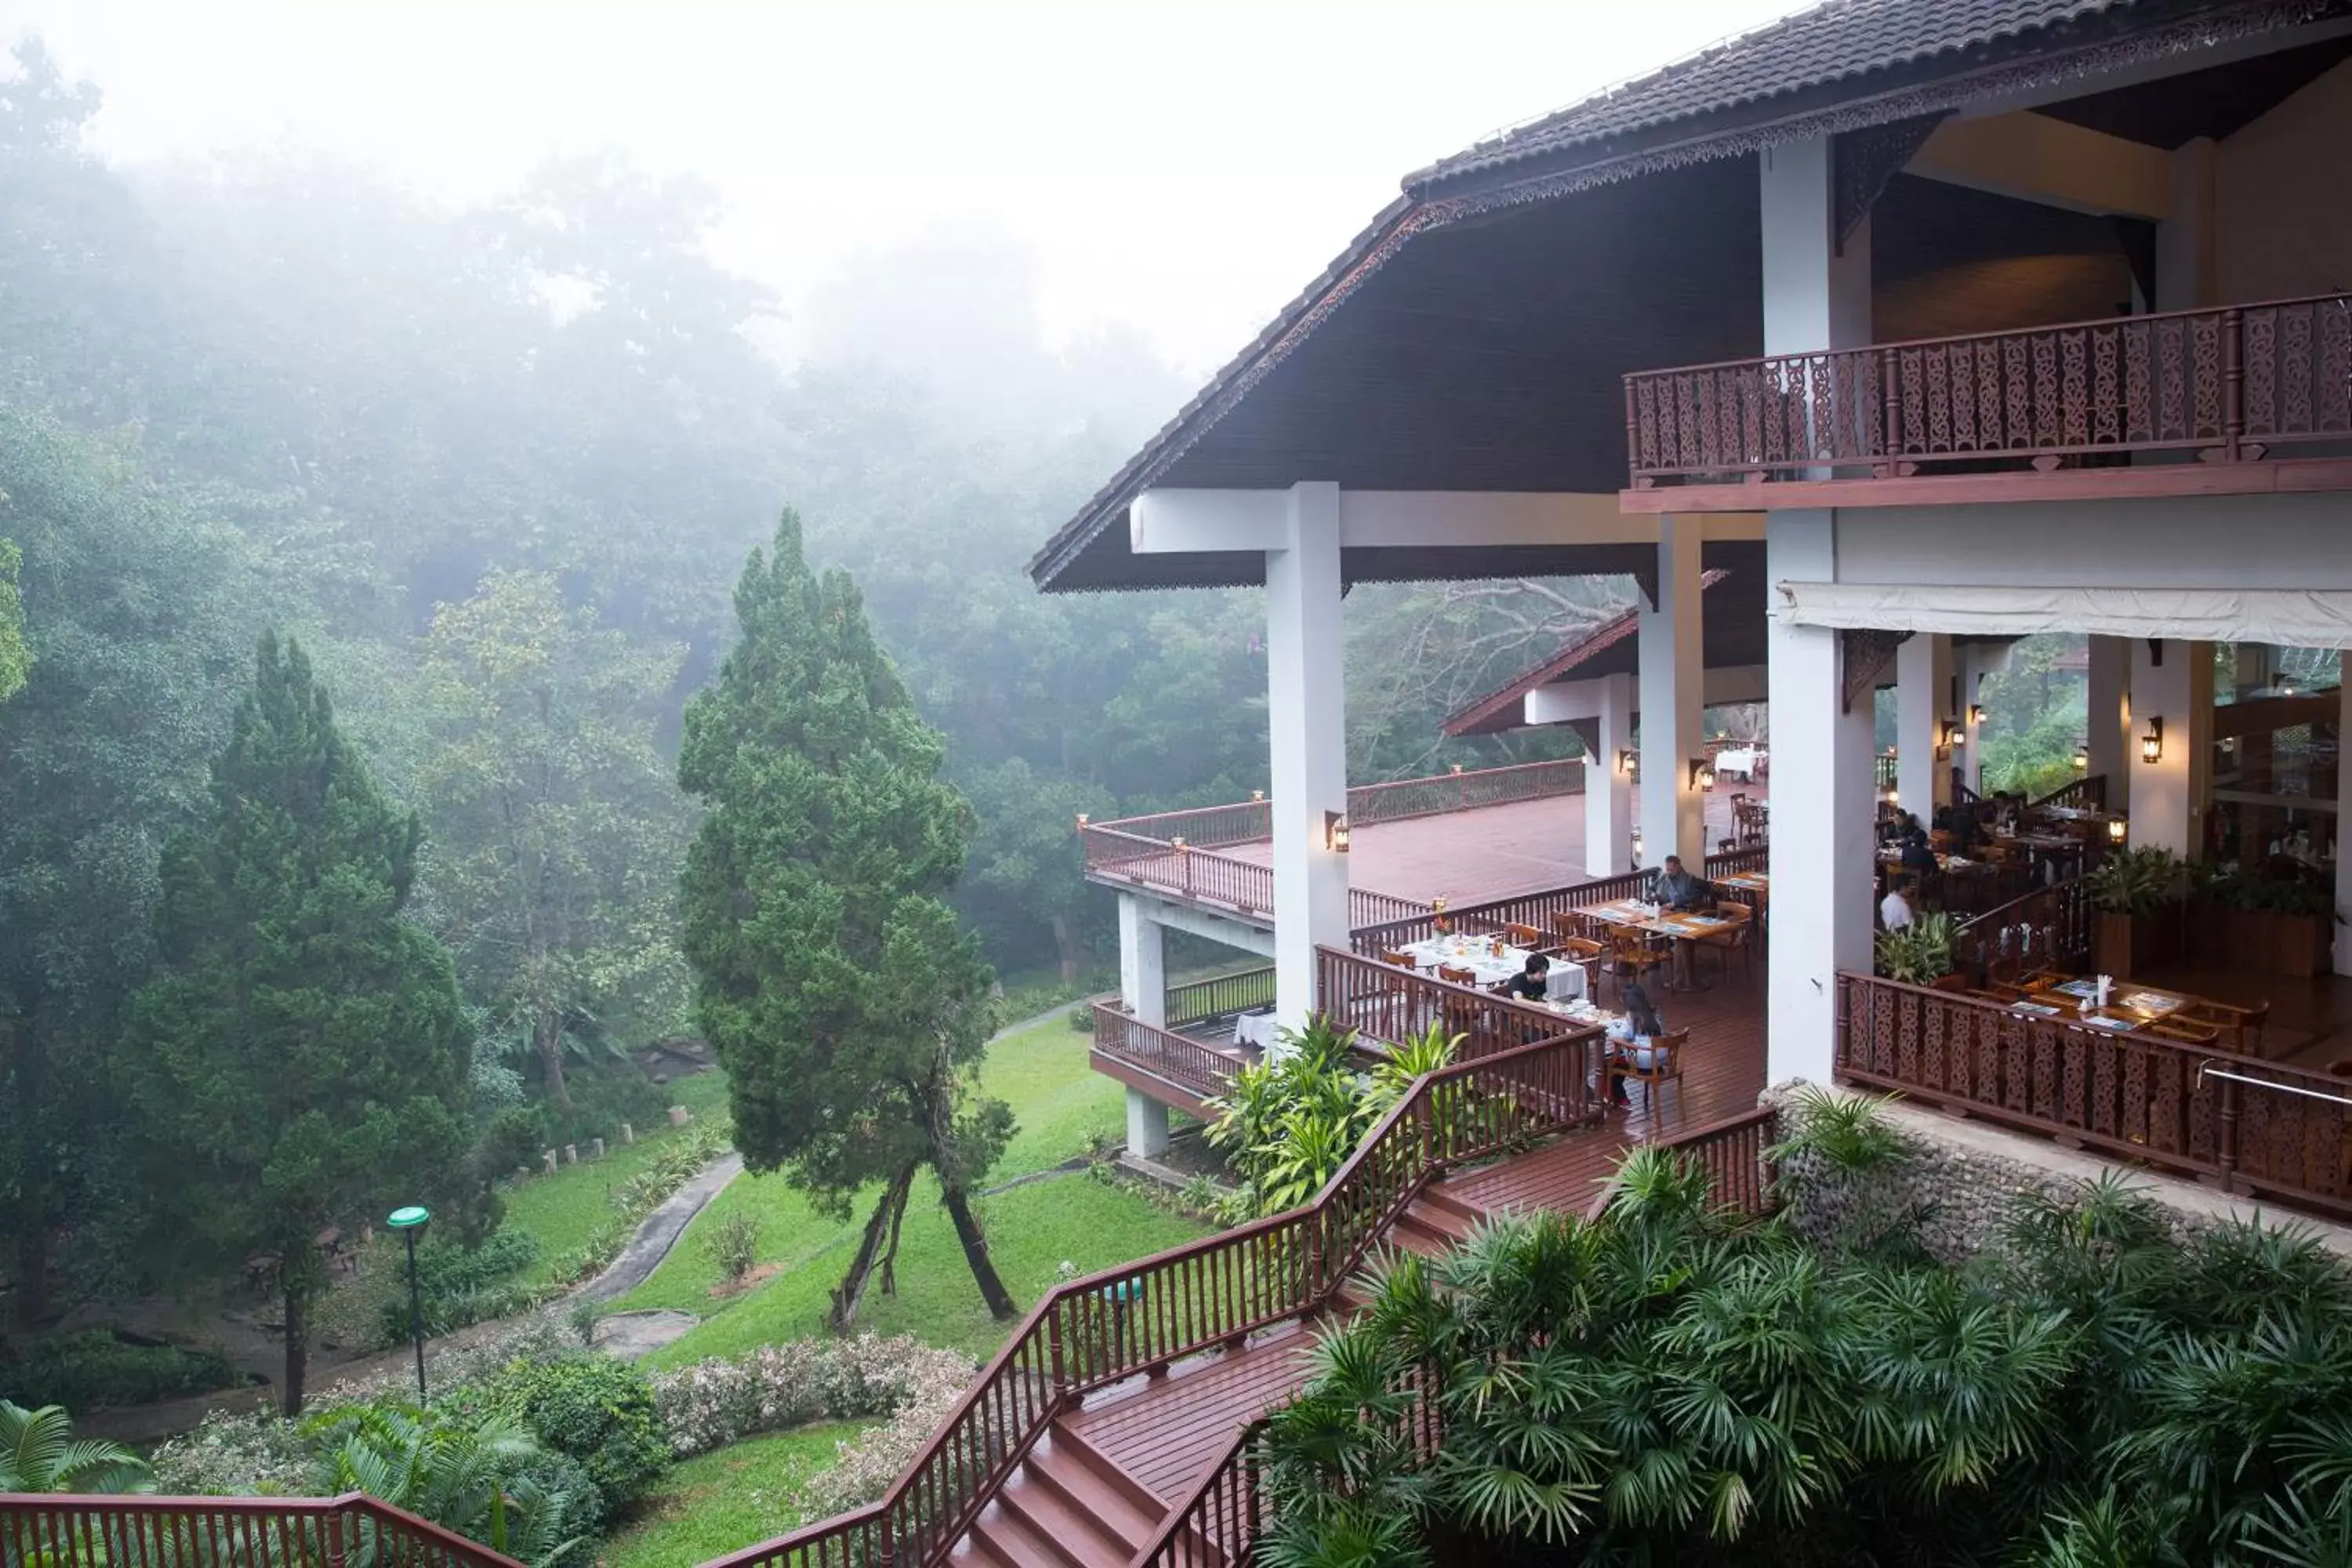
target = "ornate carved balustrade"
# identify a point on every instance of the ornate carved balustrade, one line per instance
(2232, 384)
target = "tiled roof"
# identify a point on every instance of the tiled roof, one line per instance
(1833, 42)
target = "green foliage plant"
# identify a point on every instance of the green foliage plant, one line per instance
(92, 1367)
(481, 1478)
(15, 658)
(733, 1244)
(1919, 953)
(2135, 881)
(305, 1043)
(38, 1453)
(591, 1408)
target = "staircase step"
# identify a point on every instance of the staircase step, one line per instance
(999, 1536)
(1437, 1195)
(1412, 1236)
(1104, 1470)
(1444, 1222)
(1064, 1497)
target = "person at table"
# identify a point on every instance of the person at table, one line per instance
(1919, 857)
(1678, 889)
(1895, 909)
(1631, 1039)
(1532, 984)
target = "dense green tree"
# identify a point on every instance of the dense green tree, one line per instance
(557, 827)
(15, 658)
(849, 1012)
(301, 1060)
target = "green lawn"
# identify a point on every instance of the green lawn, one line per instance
(562, 1211)
(732, 1497)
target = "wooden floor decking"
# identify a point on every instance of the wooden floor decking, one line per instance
(1165, 1432)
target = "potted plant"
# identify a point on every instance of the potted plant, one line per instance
(2271, 921)
(1921, 953)
(2137, 894)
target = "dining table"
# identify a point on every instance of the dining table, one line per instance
(1566, 981)
(2129, 1005)
(1747, 882)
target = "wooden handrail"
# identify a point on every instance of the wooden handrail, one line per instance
(1394, 800)
(1535, 909)
(2088, 793)
(1192, 1000)
(1178, 1059)
(287, 1533)
(1214, 1524)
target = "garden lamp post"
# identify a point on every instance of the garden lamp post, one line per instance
(408, 1222)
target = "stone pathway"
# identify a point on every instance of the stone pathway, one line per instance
(660, 1231)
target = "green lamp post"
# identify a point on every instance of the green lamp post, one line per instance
(408, 1222)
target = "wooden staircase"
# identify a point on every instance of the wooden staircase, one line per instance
(1067, 1506)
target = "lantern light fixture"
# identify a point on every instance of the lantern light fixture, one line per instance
(1637, 847)
(1335, 832)
(1976, 714)
(2116, 828)
(1702, 773)
(2151, 745)
(1629, 761)
(2083, 759)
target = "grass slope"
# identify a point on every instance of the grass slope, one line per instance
(716, 1502)
(1060, 1106)
(562, 1211)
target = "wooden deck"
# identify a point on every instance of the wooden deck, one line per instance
(1488, 852)
(1165, 1432)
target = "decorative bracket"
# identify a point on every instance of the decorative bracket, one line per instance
(1867, 651)
(1863, 160)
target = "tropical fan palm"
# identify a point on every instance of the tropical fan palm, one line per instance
(470, 1479)
(38, 1453)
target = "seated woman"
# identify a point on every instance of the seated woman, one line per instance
(1532, 984)
(1630, 1040)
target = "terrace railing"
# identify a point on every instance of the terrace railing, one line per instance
(1141, 1317)
(1384, 1003)
(354, 1531)
(2254, 1126)
(1535, 910)
(2088, 793)
(1220, 996)
(2230, 384)
(1178, 1059)
(2049, 928)
(1463, 791)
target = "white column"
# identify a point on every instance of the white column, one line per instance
(1607, 792)
(1824, 801)
(1674, 665)
(2172, 683)
(1823, 807)
(1922, 696)
(1143, 990)
(2108, 699)
(2340, 830)
(1307, 723)
(1971, 662)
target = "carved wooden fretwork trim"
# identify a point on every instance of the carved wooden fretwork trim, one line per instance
(1867, 158)
(1867, 651)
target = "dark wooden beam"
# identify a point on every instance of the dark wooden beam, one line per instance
(2294, 476)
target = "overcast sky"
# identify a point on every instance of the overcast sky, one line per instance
(1185, 168)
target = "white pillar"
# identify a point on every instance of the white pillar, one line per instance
(1824, 803)
(1969, 664)
(1923, 697)
(1824, 799)
(1607, 792)
(1307, 723)
(1674, 666)
(2108, 699)
(2172, 682)
(2338, 830)
(1143, 990)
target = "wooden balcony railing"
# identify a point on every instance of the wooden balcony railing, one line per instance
(2049, 928)
(1731, 1151)
(2088, 793)
(1178, 1059)
(1141, 1317)
(2254, 1126)
(1389, 1004)
(1217, 1525)
(1464, 791)
(58, 1530)
(1535, 910)
(1220, 996)
(2230, 384)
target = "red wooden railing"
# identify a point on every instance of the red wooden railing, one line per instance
(2255, 1125)
(1391, 1004)
(2049, 928)
(1223, 882)
(2088, 793)
(1219, 1520)
(1463, 791)
(56, 1531)
(2232, 385)
(1535, 910)
(1141, 1317)
(1178, 1059)
(1220, 996)
(1732, 1153)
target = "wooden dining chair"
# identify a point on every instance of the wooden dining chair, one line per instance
(1665, 1053)
(1738, 940)
(1400, 960)
(2242, 1026)
(1631, 956)
(1587, 954)
(1525, 936)
(1454, 976)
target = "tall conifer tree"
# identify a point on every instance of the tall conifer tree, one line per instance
(301, 1061)
(848, 1009)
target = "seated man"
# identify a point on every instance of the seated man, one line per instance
(1532, 984)
(1895, 909)
(1918, 857)
(1678, 889)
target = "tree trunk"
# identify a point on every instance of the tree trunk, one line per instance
(898, 1218)
(976, 1252)
(1067, 948)
(547, 1034)
(33, 1274)
(297, 1350)
(850, 1294)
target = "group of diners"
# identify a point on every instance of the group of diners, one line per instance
(1639, 1046)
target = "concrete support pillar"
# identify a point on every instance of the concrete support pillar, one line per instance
(1142, 962)
(1824, 797)
(2337, 832)
(2108, 699)
(1824, 804)
(1307, 723)
(2187, 268)
(1674, 666)
(1146, 1125)
(2172, 685)
(1607, 792)
(1923, 698)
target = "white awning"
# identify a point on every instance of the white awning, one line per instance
(2283, 617)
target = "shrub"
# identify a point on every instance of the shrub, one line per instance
(733, 1244)
(236, 1454)
(867, 1464)
(92, 1367)
(460, 1286)
(598, 1410)
(714, 1402)
(514, 1137)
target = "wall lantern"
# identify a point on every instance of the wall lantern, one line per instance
(1976, 715)
(1335, 832)
(1952, 733)
(1082, 822)
(1637, 847)
(2151, 745)
(1893, 798)
(2116, 828)
(2081, 759)
(2286, 688)
(1702, 773)
(1457, 767)
(1629, 762)
(1178, 844)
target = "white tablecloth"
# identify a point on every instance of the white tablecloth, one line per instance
(1566, 983)
(1740, 760)
(1254, 1029)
